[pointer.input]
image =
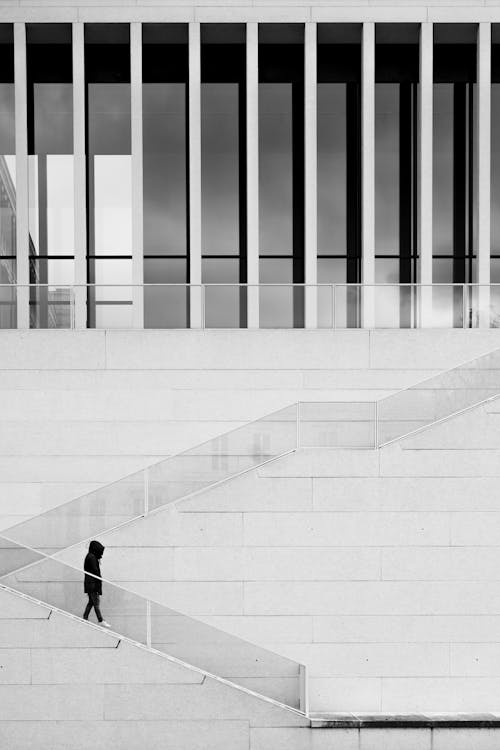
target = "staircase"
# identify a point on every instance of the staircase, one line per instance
(28, 565)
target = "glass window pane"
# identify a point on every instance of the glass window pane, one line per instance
(332, 157)
(275, 169)
(220, 271)
(53, 118)
(113, 316)
(109, 118)
(51, 204)
(495, 169)
(387, 169)
(112, 205)
(220, 168)
(332, 270)
(276, 270)
(164, 165)
(443, 170)
(165, 271)
(7, 119)
(8, 206)
(166, 306)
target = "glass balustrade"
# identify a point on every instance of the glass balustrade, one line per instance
(438, 397)
(337, 424)
(200, 645)
(160, 484)
(335, 306)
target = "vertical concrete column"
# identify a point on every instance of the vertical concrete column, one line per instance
(252, 81)
(368, 174)
(79, 176)
(425, 171)
(195, 174)
(22, 195)
(137, 176)
(310, 172)
(484, 170)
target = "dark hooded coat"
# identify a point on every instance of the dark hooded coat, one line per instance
(91, 565)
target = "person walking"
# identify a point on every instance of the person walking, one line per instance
(93, 586)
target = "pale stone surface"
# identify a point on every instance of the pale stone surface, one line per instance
(46, 702)
(346, 694)
(395, 739)
(345, 529)
(134, 735)
(377, 569)
(441, 563)
(475, 659)
(212, 700)
(303, 739)
(465, 739)
(427, 628)
(125, 664)
(452, 694)
(405, 494)
(15, 667)
(371, 659)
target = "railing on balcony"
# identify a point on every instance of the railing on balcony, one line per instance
(334, 306)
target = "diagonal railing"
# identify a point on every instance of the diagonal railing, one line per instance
(160, 484)
(159, 628)
(27, 564)
(439, 397)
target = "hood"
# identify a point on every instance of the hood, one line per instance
(96, 548)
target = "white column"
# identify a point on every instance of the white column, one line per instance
(22, 196)
(252, 61)
(368, 173)
(137, 181)
(425, 172)
(195, 173)
(484, 169)
(80, 192)
(310, 172)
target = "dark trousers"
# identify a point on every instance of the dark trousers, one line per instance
(93, 602)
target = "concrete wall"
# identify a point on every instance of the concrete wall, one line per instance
(378, 569)
(65, 685)
(251, 10)
(84, 408)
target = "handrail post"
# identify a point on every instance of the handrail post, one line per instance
(146, 492)
(376, 425)
(303, 690)
(148, 623)
(333, 306)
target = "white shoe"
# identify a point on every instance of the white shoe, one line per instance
(105, 624)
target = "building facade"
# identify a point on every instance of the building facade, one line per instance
(314, 166)
(301, 526)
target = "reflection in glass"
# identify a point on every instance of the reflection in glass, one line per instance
(8, 312)
(223, 174)
(332, 160)
(495, 188)
(387, 170)
(442, 193)
(50, 173)
(219, 169)
(109, 172)
(164, 165)
(8, 315)
(275, 169)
